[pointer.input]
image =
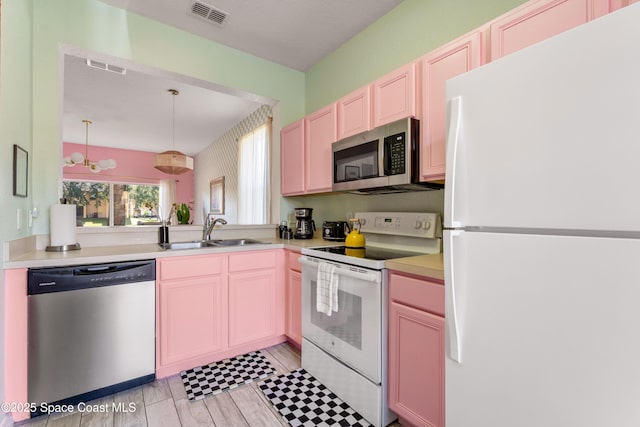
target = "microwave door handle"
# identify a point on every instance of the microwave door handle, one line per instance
(381, 157)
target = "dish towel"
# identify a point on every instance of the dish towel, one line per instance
(327, 289)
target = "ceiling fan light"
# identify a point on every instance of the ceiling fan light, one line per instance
(76, 157)
(103, 164)
(173, 162)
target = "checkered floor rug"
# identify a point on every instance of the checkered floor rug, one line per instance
(225, 375)
(304, 401)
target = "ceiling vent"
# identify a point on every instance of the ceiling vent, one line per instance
(106, 67)
(208, 13)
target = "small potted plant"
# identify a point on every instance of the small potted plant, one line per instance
(182, 213)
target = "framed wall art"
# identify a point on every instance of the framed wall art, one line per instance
(20, 171)
(216, 196)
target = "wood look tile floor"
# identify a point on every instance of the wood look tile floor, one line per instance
(164, 403)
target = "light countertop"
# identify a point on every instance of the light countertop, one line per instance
(424, 265)
(117, 253)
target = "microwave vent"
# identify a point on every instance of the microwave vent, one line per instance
(404, 188)
(209, 13)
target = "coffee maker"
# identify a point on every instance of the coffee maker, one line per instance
(304, 224)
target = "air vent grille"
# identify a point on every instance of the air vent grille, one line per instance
(106, 67)
(209, 13)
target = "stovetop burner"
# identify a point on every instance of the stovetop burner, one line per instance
(372, 253)
(389, 235)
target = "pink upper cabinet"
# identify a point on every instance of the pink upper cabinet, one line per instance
(354, 113)
(292, 158)
(438, 66)
(535, 21)
(394, 95)
(320, 132)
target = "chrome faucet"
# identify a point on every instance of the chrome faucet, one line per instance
(208, 226)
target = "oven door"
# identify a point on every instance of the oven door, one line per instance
(353, 334)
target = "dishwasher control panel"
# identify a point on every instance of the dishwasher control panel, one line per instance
(58, 279)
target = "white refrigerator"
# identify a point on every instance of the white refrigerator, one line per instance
(542, 240)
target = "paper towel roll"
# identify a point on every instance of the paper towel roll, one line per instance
(63, 225)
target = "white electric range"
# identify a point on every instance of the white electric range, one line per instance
(347, 350)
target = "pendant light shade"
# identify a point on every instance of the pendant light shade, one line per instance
(173, 162)
(77, 158)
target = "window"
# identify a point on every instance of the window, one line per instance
(253, 176)
(101, 204)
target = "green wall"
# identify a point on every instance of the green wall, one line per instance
(407, 32)
(96, 26)
(15, 128)
(15, 108)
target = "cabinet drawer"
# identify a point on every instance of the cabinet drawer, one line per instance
(293, 262)
(189, 266)
(419, 293)
(252, 261)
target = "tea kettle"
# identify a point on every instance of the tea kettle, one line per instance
(355, 239)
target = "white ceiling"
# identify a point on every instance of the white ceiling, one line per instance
(294, 33)
(134, 111)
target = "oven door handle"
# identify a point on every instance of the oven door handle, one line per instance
(342, 270)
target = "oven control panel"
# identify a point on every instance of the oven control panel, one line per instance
(414, 224)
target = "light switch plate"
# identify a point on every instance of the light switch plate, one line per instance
(19, 219)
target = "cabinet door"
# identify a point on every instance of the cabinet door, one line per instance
(416, 365)
(294, 307)
(438, 66)
(15, 306)
(539, 20)
(252, 306)
(394, 96)
(192, 318)
(354, 113)
(321, 130)
(292, 159)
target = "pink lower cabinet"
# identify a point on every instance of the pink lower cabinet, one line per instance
(294, 299)
(15, 341)
(256, 297)
(416, 350)
(192, 311)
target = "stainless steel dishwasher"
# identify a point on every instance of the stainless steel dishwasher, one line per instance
(91, 330)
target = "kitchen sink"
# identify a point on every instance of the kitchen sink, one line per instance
(235, 242)
(185, 245)
(195, 244)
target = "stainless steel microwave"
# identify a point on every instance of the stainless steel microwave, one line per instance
(382, 160)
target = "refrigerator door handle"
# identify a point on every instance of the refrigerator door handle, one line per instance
(451, 309)
(453, 140)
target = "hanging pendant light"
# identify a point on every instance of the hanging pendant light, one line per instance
(77, 158)
(173, 162)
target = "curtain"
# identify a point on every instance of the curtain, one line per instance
(253, 176)
(167, 199)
